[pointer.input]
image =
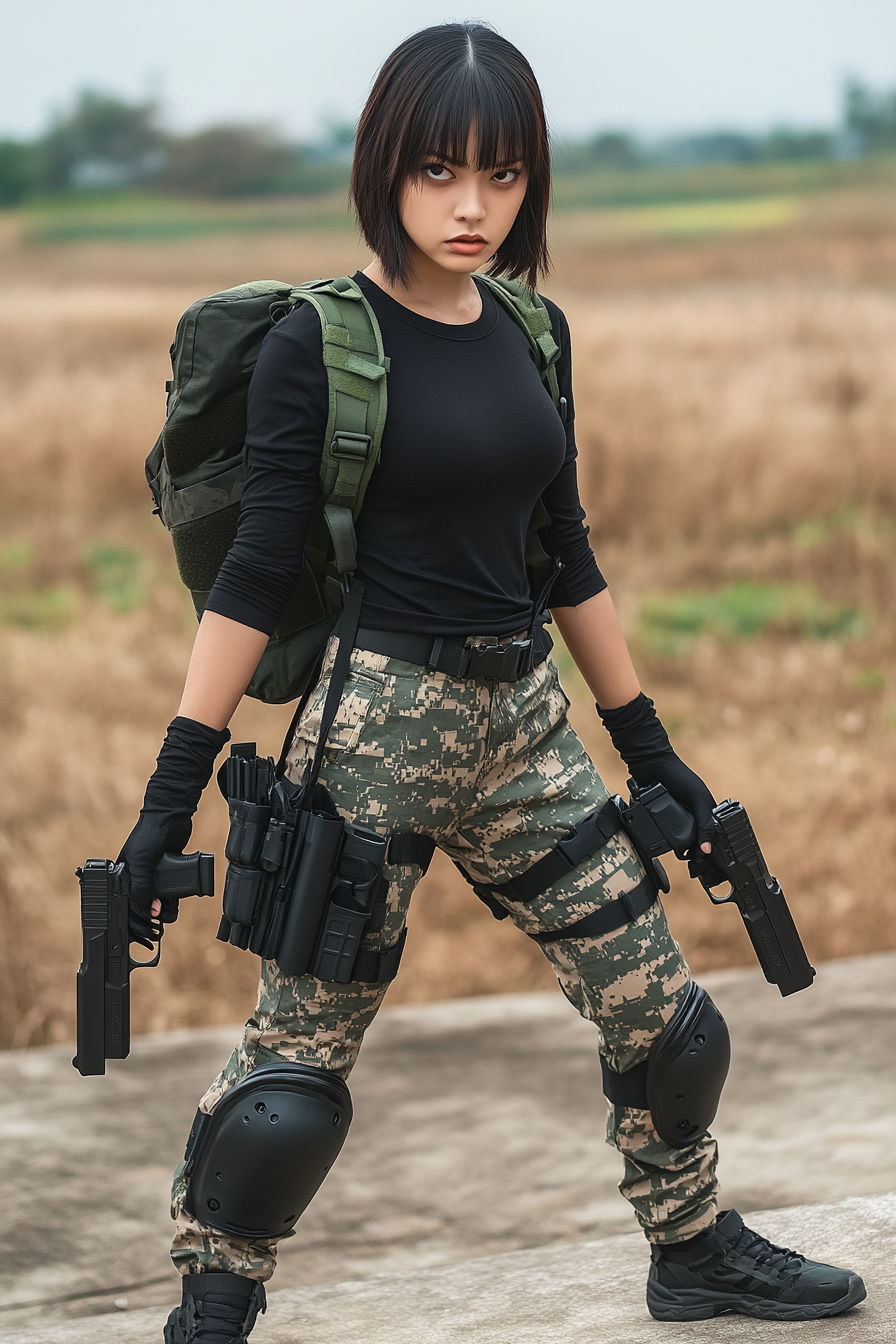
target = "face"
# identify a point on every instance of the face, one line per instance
(457, 218)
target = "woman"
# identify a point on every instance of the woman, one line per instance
(451, 173)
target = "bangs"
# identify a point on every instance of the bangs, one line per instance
(442, 91)
(463, 107)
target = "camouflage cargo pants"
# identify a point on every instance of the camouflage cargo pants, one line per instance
(496, 774)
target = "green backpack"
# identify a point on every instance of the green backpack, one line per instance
(197, 468)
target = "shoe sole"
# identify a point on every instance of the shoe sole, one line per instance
(700, 1304)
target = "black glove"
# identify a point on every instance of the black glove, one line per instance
(183, 768)
(644, 745)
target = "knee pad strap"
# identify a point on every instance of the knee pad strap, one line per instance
(254, 1164)
(681, 1081)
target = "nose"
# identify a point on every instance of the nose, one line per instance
(470, 207)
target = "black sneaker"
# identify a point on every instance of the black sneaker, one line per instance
(216, 1309)
(728, 1268)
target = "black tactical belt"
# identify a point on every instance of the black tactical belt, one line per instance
(492, 661)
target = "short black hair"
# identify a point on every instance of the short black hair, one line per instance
(432, 89)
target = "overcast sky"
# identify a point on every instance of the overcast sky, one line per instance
(651, 65)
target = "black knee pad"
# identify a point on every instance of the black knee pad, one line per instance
(681, 1081)
(255, 1163)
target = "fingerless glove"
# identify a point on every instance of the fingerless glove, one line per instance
(643, 743)
(183, 768)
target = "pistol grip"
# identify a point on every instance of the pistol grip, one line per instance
(180, 875)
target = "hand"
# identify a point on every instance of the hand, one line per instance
(685, 787)
(156, 833)
(183, 769)
(643, 743)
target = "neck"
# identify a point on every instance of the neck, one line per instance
(431, 291)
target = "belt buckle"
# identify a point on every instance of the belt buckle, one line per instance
(499, 662)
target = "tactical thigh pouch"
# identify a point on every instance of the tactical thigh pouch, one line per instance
(681, 1080)
(254, 1164)
(304, 886)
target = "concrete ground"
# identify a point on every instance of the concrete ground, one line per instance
(591, 1293)
(477, 1132)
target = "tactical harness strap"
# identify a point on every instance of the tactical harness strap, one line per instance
(625, 1089)
(406, 847)
(379, 968)
(527, 309)
(625, 909)
(356, 368)
(579, 843)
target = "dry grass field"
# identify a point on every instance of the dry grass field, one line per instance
(736, 408)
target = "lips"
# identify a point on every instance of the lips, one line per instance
(467, 244)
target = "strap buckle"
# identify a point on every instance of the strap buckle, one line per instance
(355, 447)
(569, 849)
(501, 662)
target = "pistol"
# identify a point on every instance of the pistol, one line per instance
(104, 976)
(657, 824)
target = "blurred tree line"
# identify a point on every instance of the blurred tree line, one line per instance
(105, 142)
(867, 126)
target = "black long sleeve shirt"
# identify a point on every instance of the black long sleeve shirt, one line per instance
(471, 440)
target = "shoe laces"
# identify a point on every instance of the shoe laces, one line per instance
(766, 1253)
(216, 1321)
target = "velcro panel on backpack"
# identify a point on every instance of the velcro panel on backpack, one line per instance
(201, 547)
(214, 435)
(304, 606)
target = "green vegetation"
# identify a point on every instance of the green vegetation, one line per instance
(671, 622)
(871, 680)
(15, 555)
(617, 149)
(694, 219)
(21, 603)
(646, 186)
(145, 217)
(117, 575)
(851, 519)
(43, 610)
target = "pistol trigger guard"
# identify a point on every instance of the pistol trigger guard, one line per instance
(719, 900)
(158, 929)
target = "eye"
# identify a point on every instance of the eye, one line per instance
(436, 172)
(505, 176)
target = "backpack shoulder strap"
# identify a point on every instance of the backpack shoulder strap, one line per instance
(356, 374)
(529, 312)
